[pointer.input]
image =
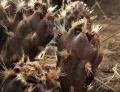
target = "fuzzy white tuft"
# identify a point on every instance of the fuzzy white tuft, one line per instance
(31, 3)
(3, 4)
(20, 4)
(96, 28)
(63, 13)
(61, 28)
(55, 33)
(79, 22)
(91, 11)
(93, 17)
(24, 16)
(51, 9)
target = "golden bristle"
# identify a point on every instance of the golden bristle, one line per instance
(11, 34)
(5, 74)
(88, 68)
(22, 62)
(20, 4)
(10, 19)
(3, 4)
(33, 36)
(61, 28)
(54, 74)
(64, 53)
(9, 73)
(50, 76)
(30, 89)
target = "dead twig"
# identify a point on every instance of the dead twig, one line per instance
(105, 71)
(110, 37)
(104, 84)
(101, 10)
(93, 7)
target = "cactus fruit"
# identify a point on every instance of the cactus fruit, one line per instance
(76, 65)
(44, 48)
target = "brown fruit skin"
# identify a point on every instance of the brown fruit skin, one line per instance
(29, 12)
(12, 8)
(44, 36)
(3, 37)
(12, 26)
(74, 65)
(2, 15)
(47, 25)
(51, 84)
(12, 84)
(23, 31)
(14, 47)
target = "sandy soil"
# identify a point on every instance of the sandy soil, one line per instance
(110, 48)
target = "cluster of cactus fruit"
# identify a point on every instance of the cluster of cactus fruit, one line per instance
(41, 46)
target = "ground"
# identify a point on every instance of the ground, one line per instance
(109, 69)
